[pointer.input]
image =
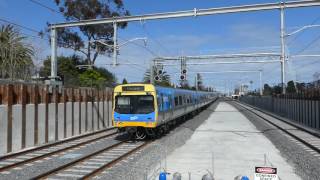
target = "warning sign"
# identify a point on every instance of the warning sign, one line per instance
(265, 173)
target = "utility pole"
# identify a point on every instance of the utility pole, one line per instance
(283, 55)
(260, 76)
(151, 73)
(53, 54)
(197, 86)
(115, 46)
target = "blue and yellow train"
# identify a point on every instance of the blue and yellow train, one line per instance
(147, 110)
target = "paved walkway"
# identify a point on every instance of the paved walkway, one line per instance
(235, 145)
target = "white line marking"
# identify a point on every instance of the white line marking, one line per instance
(87, 167)
(69, 175)
(79, 170)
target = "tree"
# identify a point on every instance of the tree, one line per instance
(277, 89)
(291, 87)
(124, 81)
(92, 78)
(15, 54)
(185, 85)
(110, 78)
(267, 90)
(70, 73)
(83, 38)
(67, 69)
(165, 78)
(200, 82)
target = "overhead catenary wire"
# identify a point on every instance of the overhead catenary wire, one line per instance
(308, 45)
(64, 45)
(51, 9)
(143, 25)
(21, 26)
(146, 48)
(300, 34)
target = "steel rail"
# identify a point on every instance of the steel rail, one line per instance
(284, 130)
(53, 144)
(191, 13)
(282, 120)
(19, 163)
(84, 158)
(113, 162)
(72, 163)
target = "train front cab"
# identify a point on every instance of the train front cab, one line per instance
(134, 107)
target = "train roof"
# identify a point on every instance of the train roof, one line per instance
(151, 87)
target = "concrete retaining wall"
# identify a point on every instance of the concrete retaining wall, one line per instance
(303, 111)
(51, 122)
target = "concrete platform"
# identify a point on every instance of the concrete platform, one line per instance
(228, 143)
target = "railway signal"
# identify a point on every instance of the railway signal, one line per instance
(157, 78)
(182, 77)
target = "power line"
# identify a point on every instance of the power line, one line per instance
(146, 48)
(133, 65)
(153, 39)
(298, 35)
(308, 45)
(44, 6)
(21, 26)
(51, 9)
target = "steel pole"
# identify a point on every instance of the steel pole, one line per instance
(115, 46)
(191, 13)
(151, 73)
(260, 74)
(197, 86)
(53, 53)
(282, 57)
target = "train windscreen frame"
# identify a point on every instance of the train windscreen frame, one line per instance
(134, 104)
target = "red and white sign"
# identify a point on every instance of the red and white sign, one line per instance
(265, 173)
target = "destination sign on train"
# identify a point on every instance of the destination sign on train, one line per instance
(133, 88)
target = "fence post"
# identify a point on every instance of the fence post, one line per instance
(64, 113)
(35, 99)
(56, 101)
(72, 112)
(9, 102)
(97, 107)
(23, 101)
(86, 109)
(103, 107)
(92, 110)
(79, 95)
(46, 101)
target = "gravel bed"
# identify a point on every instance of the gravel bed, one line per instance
(306, 163)
(33, 169)
(142, 164)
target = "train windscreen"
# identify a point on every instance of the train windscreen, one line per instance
(141, 104)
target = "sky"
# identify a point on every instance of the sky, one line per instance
(206, 35)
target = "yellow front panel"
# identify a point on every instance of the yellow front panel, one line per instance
(148, 88)
(135, 124)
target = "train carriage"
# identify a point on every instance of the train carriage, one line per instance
(147, 110)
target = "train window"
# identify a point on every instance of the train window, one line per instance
(180, 100)
(162, 102)
(158, 101)
(176, 101)
(134, 104)
(170, 102)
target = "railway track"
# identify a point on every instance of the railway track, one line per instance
(90, 165)
(296, 132)
(15, 160)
